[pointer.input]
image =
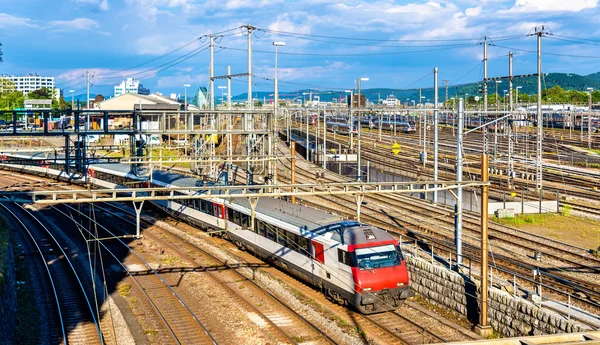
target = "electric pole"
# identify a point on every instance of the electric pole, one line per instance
(87, 89)
(511, 144)
(435, 131)
(539, 32)
(211, 73)
(485, 95)
(446, 81)
(250, 29)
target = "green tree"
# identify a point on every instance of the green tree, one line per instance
(60, 104)
(9, 97)
(43, 93)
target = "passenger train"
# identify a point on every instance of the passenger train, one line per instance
(353, 263)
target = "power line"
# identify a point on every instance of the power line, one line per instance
(176, 61)
(551, 54)
(379, 40)
(351, 54)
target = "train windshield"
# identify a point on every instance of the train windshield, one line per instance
(378, 257)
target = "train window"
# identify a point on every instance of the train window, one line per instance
(230, 215)
(261, 228)
(282, 237)
(245, 221)
(270, 233)
(344, 257)
(236, 217)
(302, 244)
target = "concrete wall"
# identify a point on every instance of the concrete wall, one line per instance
(527, 206)
(510, 316)
(8, 296)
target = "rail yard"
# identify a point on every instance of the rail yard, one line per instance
(325, 216)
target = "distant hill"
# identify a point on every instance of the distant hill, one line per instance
(568, 81)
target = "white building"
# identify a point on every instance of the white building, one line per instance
(130, 86)
(32, 82)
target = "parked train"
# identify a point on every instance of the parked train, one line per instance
(353, 263)
(341, 127)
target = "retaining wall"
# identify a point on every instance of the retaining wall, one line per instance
(8, 296)
(509, 315)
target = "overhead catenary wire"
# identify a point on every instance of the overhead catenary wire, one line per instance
(475, 39)
(353, 54)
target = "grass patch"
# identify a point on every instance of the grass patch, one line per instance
(150, 332)
(124, 290)
(534, 218)
(578, 231)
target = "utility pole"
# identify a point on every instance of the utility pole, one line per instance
(359, 130)
(511, 149)
(228, 87)
(250, 29)
(483, 328)
(589, 126)
(446, 81)
(87, 88)
(459, 170)
(324, 137)
(435, 130)
(211, 73)
(539, 32)
(485, 94)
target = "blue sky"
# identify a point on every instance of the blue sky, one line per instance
(333, 42)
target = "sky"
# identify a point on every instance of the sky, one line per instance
(328, 43)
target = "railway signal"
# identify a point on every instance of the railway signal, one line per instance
(396, 148)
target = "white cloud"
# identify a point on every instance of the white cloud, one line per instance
(553, 5)
(178, 81)
(298, 73)
(101, 5)
(73, 25)
(473, 11)
(10, 21)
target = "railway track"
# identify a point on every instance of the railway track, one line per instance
(75, 321)
(407, 331)
(275, 312)
(177, 322)
(593, 210)
(434, 236)
(400, 330)
(558, 179)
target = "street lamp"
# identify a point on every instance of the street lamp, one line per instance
(359, 127)
(497, 103)
(222, 88)
(517, 88)
(185, 86)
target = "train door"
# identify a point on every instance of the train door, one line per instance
(319, 270)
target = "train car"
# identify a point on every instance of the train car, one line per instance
(354, 264)
(340, 127)
(401, 126)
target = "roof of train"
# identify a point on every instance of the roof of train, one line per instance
(352, 233)
(295, 215)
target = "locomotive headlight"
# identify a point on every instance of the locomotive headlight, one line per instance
(365, 289)
(399, 284)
